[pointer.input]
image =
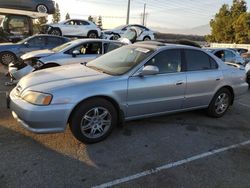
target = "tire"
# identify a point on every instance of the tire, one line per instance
(116, 37)
(92, 34)
(86, 122)
(42, 8)
(248, 78)
(219, 106)
(147, 38)
(7, 57)
(55, 31)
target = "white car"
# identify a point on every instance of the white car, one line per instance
(74, 28)
(77, 51)
(115, 34)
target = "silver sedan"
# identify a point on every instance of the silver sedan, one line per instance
(136, 81)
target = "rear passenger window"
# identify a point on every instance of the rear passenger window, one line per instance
(168, 61)
(198, 60)
(108, 47)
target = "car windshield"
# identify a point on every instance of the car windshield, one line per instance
(120, 61)
(120, 27)
(61, 47)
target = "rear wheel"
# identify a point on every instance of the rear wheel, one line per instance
(116, 37)
(55, 31)
(7, 57)
(220, 103)
(93, 120)
(42, 9)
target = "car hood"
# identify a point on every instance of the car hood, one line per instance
(68, 74)
(38, 53)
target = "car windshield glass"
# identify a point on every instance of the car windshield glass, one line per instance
(120, 61)
(120, 27)
(61, 47)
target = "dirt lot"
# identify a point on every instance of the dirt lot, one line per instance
(184, 145)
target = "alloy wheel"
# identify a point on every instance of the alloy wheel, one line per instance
(222, 103)
(96, 122)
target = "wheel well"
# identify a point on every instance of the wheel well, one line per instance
(9, 53)
(231, 91)
(93, 31)
(147, 37)
(120, 113)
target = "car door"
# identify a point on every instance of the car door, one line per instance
(158, 93)
(82, 28)
(35, 43)
(10, 4)
(203, 77)
(86, 52)
(69, 28)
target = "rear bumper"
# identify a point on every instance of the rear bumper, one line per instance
(40, 119)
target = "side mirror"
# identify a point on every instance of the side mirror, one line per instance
(26, 44)
(149, 70)
(75, 53)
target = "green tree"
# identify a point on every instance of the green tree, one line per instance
(99, 22)
(67, 17)
(56, 15)
(37, 26)
(242, 29)
(225, 25)
(90, 18)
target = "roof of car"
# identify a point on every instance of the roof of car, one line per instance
(154, 45)
(47, 35)
(94, 40)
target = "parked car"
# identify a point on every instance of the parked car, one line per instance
(78, 51)
(240, 50)
(42, 6)
(227, 55)
(132, 82)
(11, 52)
(248, 72)
(115, 34)
(74, 28)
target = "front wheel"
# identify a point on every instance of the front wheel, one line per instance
(220, 103)
(92, 35)
(93, 120)
(147, 38)
(55, 31)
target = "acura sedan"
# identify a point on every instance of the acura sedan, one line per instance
(131, 82)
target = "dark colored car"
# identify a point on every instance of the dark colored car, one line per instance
(42, 6)
(10, 52)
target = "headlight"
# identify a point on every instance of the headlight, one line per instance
(37, 98)
(38, 65)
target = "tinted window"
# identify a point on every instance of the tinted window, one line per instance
(83, 23)
(54, 41)
(229, 54)
(198, 60)
(220, 54)
(167, 61)
(18, 25)
(108, 47)
(37, 41)
(88, 48)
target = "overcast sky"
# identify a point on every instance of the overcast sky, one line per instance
(161, 13)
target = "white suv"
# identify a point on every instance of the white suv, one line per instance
(118, 32)
(74, 28)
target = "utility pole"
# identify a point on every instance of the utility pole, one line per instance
(144, 15)
(128, 12)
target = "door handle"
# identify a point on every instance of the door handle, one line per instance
(179, 83)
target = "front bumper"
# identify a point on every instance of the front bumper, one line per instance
(17, 73)
(40, 119)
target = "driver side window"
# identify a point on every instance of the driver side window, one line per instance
(168, 61)
(88, 48)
